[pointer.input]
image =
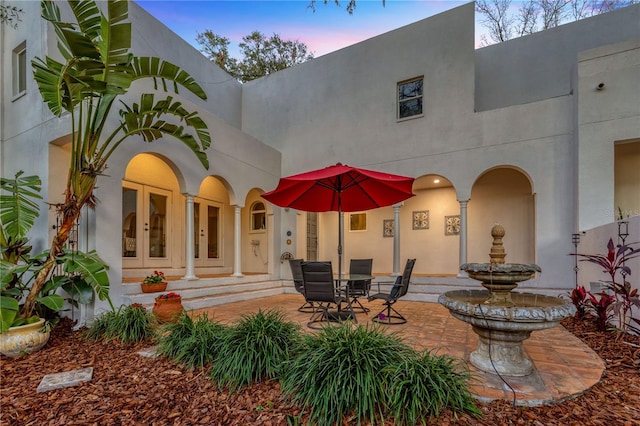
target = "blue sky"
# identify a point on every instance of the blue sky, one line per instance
(327, 29)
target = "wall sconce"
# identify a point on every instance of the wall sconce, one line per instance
(600, 86)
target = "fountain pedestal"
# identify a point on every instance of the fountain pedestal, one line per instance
(501, 352)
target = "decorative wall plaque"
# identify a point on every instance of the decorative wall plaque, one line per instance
(421, 219)
(388, 227)
(452, 225)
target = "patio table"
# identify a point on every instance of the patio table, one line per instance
(345, 278)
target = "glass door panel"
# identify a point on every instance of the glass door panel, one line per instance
(207, 219)
(129, 222)
(157, 242)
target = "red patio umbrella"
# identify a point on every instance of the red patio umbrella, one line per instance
(340, 188)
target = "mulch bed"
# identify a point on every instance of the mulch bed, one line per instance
(128, 389)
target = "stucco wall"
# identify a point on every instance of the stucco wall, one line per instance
(513, 73)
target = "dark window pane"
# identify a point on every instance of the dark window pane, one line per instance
(410, 108)
(410, 90)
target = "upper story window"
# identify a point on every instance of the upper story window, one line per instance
(19, 60)
(258, 216)
(410, 98)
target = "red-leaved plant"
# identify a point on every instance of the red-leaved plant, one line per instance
(614, 263)
(171, 295)
(579, 299)
(601, 309)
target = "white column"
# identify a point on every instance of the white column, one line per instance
(189, 256)
(237, 240)
(463, 236)
(396, 240)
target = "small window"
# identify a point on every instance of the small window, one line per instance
(20, 69)
(410, 98)
(258, 217)
(358, 222)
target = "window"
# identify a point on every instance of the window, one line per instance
(258, 217)
(358, 222)
(20, 69)
(410, 98)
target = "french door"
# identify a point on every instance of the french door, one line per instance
(146, 226)
(207, 220)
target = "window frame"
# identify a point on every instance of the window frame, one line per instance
(399, 101)
(253, 211)
(19, 67)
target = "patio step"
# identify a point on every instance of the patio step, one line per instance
(206, 292)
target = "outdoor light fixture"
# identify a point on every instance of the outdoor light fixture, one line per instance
(623, 230)
(600, 86)
(575, 239)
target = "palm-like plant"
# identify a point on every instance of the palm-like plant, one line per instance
(97, 69)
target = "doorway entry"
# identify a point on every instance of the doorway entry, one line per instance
(207, 220)
(146, 230)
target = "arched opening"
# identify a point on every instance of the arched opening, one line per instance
(502, 195)
(627, 179)
(213, 227)
(255, 252)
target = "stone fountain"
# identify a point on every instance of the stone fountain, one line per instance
(501, 317)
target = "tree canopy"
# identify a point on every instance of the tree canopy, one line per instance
(504, 21)
(261, 55)
(10, 15)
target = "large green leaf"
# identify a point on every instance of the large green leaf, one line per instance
(18, 210)
(88, 16)
(8, 312)
(156, 68)
(146, 119)
(55, 302)
(92, 269)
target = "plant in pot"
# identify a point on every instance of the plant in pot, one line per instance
(78, 274)
(168, 307)
(92, 70)
(154, 283)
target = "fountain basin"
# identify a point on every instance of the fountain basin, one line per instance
(502, 329)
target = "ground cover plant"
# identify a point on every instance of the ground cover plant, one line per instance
(128, 324)
(192, 342)
(255, 348)
(365, 372)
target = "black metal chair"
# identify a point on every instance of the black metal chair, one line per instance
(298, 283)
(319, 289)
(359, 288)
(389, 315)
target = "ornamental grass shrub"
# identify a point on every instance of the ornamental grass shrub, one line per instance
(191, 342)
(128, 324)
(255, 348)
(343, 370)
(423, 385)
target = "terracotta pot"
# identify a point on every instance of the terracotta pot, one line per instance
(153, 287)
(23, 339)
(168, 310)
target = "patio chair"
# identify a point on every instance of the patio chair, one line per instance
(298, 283)
(359, 288)
(389, 315)
(319, 289)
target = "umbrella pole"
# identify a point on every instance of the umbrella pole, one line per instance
(340, 240)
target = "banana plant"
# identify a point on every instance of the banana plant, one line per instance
(82, 273)
(97, 69)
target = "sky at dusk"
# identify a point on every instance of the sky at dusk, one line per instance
(327, 29)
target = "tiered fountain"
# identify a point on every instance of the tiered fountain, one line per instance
(500, 317)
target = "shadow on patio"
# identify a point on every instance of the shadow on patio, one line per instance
(564, 366)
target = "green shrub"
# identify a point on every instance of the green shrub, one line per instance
(423, 385)
(129, 325)
(343, 370)
(193, 343)
(255, 348)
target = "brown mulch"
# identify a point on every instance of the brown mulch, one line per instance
(128, 389)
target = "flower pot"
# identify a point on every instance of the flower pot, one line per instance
(153, 287)
(168, 310)
(23, 339)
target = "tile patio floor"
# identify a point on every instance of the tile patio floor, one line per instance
(564, 366)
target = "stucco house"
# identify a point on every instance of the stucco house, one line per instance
(540, 134)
